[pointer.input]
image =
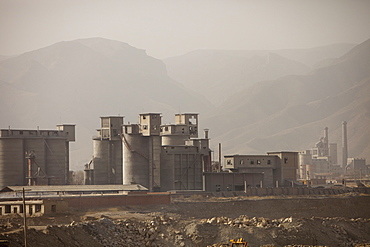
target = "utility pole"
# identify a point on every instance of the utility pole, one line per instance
(24, 219)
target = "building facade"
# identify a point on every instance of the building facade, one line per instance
(35, 157)
(273, 170)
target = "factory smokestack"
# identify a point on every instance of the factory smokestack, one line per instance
(344, 144)
(326, 141)
(206, 133)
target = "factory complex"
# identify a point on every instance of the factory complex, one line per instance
(148, 158)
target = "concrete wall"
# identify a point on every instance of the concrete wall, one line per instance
(181, 168)
(118, 200)
(231, 181)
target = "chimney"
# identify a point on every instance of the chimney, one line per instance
(344, 144)
(326, 142)
(206, 133)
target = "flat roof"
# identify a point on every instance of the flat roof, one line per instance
(247, 155)
(76, 188)
(277, 152)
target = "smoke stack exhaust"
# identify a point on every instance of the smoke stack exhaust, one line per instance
(344, 144)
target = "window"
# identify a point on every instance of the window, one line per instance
(192, 120)
(241, 162)
(229, 162)
(285, 160)
(53, 208)
(7, 209)
(252, 162)
(38, 208)
(258, 162)
(269, 162)
(145, 127)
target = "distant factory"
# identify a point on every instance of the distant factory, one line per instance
(321, 161)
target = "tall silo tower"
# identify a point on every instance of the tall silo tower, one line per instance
(141, 151)
(107, 157)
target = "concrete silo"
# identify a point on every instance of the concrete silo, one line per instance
(12, 170)
(35, 157)
(141, 151)
(107, 158)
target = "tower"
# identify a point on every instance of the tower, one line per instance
(344, 144)
(107, 160)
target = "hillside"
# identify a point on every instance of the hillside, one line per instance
(291, 112)
(79, 81)
(218, 74)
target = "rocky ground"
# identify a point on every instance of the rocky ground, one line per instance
(330, 221)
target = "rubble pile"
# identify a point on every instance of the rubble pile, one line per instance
(163, 230)
(269, 223)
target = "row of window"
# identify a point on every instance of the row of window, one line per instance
(258, 162)
(8, 209)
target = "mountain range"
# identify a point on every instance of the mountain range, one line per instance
(252, 101)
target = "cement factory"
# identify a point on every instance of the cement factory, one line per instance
(166, 157)
(321, 161)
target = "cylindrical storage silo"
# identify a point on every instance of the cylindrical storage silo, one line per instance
(12, 162)
(107, 161)
(101, 161)
(56, 161)
(136, 159)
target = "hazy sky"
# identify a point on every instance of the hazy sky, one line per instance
(173, 27)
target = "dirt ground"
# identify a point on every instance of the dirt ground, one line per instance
(342, 220)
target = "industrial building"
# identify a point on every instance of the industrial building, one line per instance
(242, 171)
(106, 165)
(356, 167)
(321, 161)
(35, 157)
(42, 200)
(159, 157)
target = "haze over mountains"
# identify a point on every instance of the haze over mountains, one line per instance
(218, 74)
(261, 100)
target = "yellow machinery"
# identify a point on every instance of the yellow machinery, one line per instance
(238, 242)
